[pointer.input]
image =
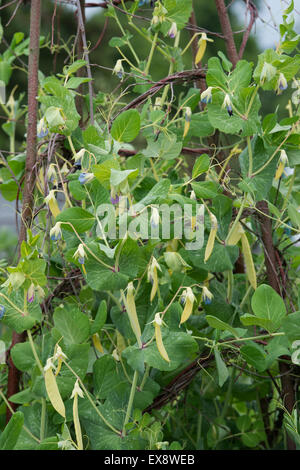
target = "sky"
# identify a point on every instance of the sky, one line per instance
(270, 16)
(266, 27)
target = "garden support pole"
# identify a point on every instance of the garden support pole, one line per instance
(30, 167)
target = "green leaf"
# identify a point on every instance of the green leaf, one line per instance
(255, 355)
(81, 219)
(100, 318)
(13, 318)
(5, 71)
(22, 356)
(291, 326)
(201, 165)
(259, 186)
(72, 324)
(106, 376)
(34, 270)
(179, 346)
(268, 305)
(214, 322)
(248, 320)
(126, 126)
(205, 189)
(200, 126)
(70, 69)
(10, 435)
(221, 368)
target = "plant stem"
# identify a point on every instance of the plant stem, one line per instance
(236, 220)
(36, 357)
(151, 53)
(43, 420)
(130, 401)
(250, 155)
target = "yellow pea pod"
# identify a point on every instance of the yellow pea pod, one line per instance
(279, 170)
(96, 342)
(211, 239)
(40, 181)
(155, 283)
(188, 115)
(121, 345)
(235, 235)
(131, 310)
(201, 50)
(53, 392)
(76, 421)
(59, 363)
(53, 206)
(159, 342)
(187, 311)
(250, 269)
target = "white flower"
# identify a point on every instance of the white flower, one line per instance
(77, 390)
(49, 364)
(206, 95)
(118, 69)
(55, 232)
(206, 295)
(50, 197)
(227, 104)
(154, 219)
(157, 319)
(78, 156)
(281, 83)
(80, 254)
(267, 73)
(59, 354)
(173, 30)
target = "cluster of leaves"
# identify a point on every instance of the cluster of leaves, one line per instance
(138, 311)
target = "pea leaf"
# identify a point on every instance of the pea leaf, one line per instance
(126, 126)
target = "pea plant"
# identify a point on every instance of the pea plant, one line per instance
(154, 302)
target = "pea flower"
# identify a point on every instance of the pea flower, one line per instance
(115, 355)
(77, 390)
(267, 73)
(30, 293)
(187, 117)
(193, 195)
(202, 47)
(158, 337)
(42, 129)
(85, 177)
(118, 69)
(227, 104)
(281, 83)
(173, 30)
(78, 155)
(2, 311)
(51, 174)
(55, 232)
(154, 219)
(206, 295)
(152, 277)
(188, 299)
(114, 198)
(51, 201)
(283, 160)
(206, 96)
(80, 254)
(211, 238)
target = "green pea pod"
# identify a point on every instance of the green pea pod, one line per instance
(10, 435)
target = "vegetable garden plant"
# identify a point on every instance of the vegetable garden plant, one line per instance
(154, 302)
